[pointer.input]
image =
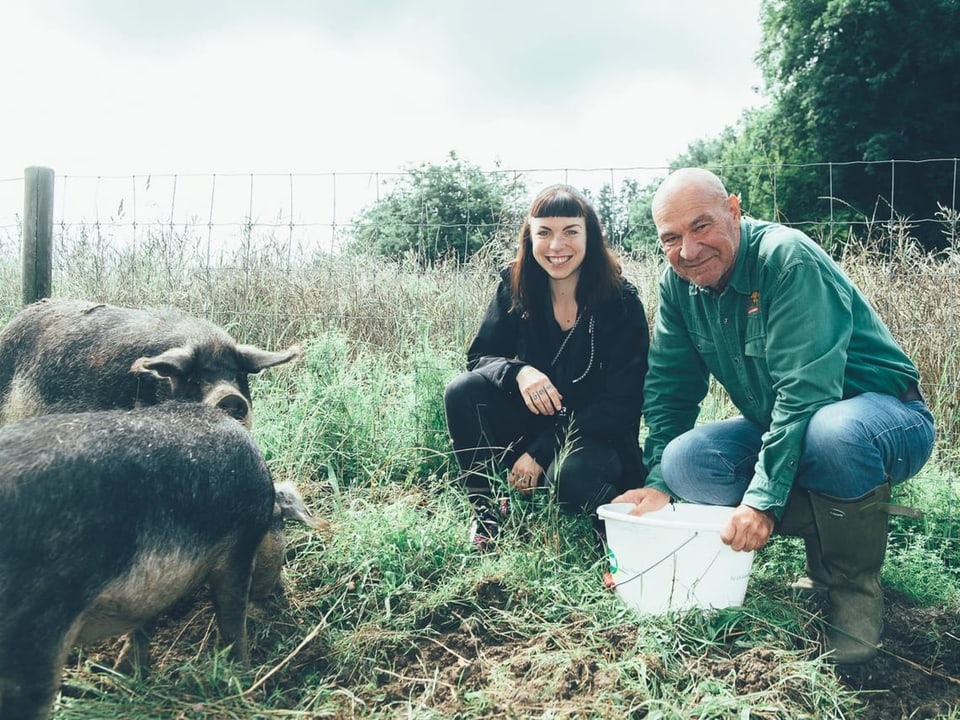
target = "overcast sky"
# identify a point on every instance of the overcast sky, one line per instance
(124, 87)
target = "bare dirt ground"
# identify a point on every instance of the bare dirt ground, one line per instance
(916, 677)
(918, 674)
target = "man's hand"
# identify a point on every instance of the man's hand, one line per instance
(747, 529)
(645, 499)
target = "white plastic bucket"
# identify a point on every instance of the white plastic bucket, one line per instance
(673, 558)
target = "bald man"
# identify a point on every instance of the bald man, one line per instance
(830, 410)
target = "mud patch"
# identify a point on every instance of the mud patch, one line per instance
(917, 675)
(472, 665)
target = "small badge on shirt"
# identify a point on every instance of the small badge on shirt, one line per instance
(754, 307)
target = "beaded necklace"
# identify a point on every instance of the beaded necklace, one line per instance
(566, 339)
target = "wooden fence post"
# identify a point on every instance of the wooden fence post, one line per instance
(37, 241)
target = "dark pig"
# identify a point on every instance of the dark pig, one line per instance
(110, 518)
(134, 656)
(71, 356)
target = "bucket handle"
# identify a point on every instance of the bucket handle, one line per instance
(658, 562)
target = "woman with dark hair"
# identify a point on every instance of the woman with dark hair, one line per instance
(554, 381)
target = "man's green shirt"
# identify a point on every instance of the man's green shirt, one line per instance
(788, 335)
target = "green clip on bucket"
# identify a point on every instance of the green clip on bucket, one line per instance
(673, 558)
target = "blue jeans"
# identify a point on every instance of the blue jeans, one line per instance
(850, 447)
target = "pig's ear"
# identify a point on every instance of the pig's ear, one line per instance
(253, 359)
(171, 363)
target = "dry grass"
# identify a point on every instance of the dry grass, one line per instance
(267, 293)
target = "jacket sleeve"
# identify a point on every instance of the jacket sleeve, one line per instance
(677, 382)
(807, 369)
(493, 352)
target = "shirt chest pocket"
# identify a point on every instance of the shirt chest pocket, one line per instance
(755, 346)
(755, 339)
(755, 355)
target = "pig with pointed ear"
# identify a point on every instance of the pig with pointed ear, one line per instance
(70, 355)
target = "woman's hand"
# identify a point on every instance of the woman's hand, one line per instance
(525, 474)
(541, 397)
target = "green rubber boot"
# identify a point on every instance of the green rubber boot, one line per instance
(798, 522)
(853, 542)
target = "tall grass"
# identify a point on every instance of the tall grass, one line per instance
(391, 613)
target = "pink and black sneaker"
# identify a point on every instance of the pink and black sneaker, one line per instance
(488, 518)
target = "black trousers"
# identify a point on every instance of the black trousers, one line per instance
(490, 429)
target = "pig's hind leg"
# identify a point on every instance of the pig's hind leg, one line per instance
(229, 581)
(134, 657)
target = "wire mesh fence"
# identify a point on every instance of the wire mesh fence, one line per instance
(264, 251)
(318, 211)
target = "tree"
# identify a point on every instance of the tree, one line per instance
(864, 102)
(440, 211)
(625, 215)
(876, 81)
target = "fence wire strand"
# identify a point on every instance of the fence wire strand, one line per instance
(253, 219)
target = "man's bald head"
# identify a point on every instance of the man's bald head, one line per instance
(689, 180)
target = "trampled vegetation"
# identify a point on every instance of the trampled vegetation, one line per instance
(392, 614)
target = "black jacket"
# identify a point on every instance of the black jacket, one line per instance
(599, 372)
